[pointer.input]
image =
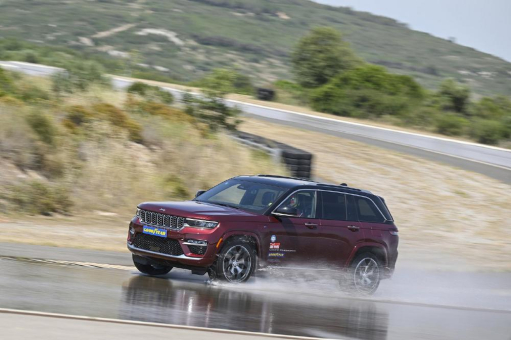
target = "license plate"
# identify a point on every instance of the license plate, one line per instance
(155, 231)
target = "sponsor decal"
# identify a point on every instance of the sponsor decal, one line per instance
(287, 250)
(274, 246)
(273, 239)
(276, 255)
(155, 231)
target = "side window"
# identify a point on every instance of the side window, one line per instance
(367, 211)
(352, 209)
(300, 204)
(334, 206)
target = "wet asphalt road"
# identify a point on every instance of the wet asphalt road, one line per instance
(404, 308)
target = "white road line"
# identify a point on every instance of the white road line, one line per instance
(151, 324)
(8, 65)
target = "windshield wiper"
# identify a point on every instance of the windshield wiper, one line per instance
(225, 205)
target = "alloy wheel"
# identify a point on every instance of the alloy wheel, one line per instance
(237, 264)
(367, 275)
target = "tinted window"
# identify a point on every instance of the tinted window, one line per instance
(334, 206)
(367, 211)
(304, 201)
(352, 210)
(246, 195)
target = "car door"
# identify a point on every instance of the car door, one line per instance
(339, 230)
(291, 235)
(371, 218)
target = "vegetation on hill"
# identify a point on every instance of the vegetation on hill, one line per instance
(186, 39)
(85, 150)
(332, 79)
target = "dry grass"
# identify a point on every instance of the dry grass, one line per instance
(440, 210)
(103, 170)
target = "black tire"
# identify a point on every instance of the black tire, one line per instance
(236, 262)
(292, 161)
(359, 280)
(150, 269)
(296, 154)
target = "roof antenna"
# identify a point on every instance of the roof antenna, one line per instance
(344, 184)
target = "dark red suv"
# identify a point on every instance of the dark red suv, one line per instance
(252, 222)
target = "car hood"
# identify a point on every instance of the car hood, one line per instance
(194, 209)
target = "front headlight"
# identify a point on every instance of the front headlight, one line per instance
(190, 222)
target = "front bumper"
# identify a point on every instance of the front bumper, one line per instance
(186, 254)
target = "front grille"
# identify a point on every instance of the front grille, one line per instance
(198, 250)
(160, 220)
(157, 244)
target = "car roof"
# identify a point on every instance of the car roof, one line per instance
(292, 182)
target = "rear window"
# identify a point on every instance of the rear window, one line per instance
(367, 211)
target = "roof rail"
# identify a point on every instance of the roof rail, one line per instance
(287, 177)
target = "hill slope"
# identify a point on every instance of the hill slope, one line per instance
(186, 38)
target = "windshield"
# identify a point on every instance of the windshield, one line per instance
(241, 194)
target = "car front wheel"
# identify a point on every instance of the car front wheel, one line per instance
(235, 263)
(151, 269)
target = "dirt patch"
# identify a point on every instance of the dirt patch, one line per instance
(113, 31)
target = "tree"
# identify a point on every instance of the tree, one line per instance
(211, 109)
(366, 91)
(320, 56)
(456, 96)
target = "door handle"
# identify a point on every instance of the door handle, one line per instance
(311, 225)
(353, 228)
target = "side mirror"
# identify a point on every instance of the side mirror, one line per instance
(286, 211)
(200, 192)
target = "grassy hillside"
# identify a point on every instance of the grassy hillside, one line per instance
(102, 150)
(186, 38)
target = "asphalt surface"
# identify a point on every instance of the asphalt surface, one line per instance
(490, 161)
(413, 305)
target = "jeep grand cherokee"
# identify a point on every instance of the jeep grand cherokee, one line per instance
(252, 222)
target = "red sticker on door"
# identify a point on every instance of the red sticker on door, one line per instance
(274, 246)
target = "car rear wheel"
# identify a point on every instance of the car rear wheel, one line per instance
(235, 263)
(150, 269)
(365, 274)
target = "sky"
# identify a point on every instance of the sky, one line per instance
(482, 24)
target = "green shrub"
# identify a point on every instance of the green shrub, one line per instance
(227, 81)
(451, 124)
(487, 131)
(119, 118)
(138, 88)
(367, 91)
(6, 83)
(43, 126)
(36, 197)
(153, 93)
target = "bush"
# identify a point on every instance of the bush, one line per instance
(119, 118)
(456, 97)
(367, 91)
(451, 124)
(152, 93)
(212, 110)
(37, 197)
(6, 83)
(227, 81)
(43, 126)
(78, 75)
(487, 131)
